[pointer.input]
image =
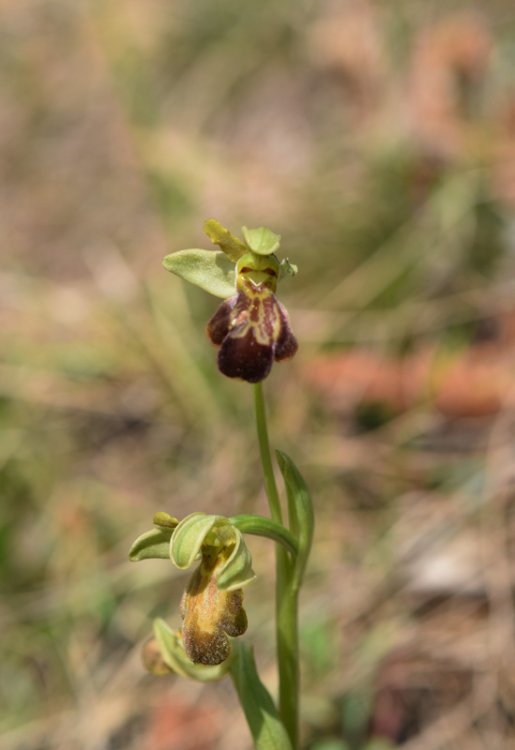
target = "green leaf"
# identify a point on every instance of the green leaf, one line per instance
(356, 711)
(330, 745)
(227, 242)
(261, 526)
(153, 544)
(172, 651)
(208, 269)
(261, 240)
(378, 743)
(300, 512)
(188, 538)
(265, 726)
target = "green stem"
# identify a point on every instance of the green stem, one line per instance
(285, 594)
(266, 455)
(288, 658)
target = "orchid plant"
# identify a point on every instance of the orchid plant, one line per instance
(251, 329)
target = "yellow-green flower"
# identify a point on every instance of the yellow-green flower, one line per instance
(212, 605)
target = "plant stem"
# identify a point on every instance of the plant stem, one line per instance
(266, 455)
(288, 655)
(286, 597)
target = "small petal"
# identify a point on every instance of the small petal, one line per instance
(164, 520)
(232, 246)
(287, 269)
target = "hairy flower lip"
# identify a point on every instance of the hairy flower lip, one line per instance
(252, 330)
(210, 615)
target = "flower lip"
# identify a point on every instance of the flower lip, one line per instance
(252, 330)
(210, 615)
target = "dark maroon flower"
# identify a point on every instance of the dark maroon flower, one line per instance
(252, 330)
(251, 326)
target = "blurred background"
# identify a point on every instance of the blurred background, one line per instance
(379, 139)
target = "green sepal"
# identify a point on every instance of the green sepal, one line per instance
(218, 535)
(261, 241)
(209, 269)
(262, 526)
(152, 545)
(227, 242)
(237, 571)
(265, 726)
(300, 513)
(174, 656)
(188, 538)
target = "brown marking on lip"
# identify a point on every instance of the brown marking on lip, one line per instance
(254, 312)
(252, 329)
(244, 357)
(210, 615)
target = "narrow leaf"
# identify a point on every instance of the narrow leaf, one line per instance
(153, 544)
(262, 526)
(300, 512)
(208, 269)
(261, 241)
(265, 726)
